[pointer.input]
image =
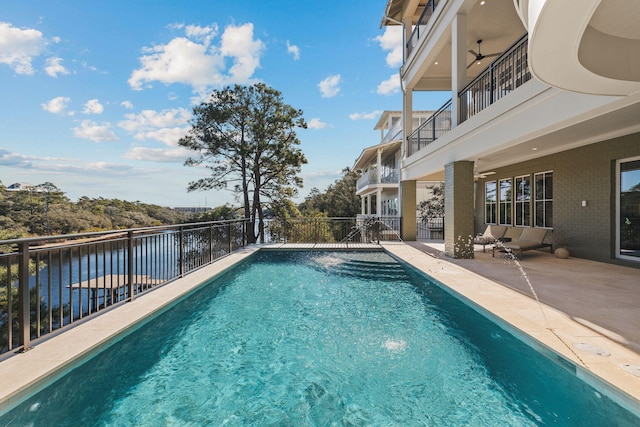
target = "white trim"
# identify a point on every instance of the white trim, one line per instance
(535, 199)
(617, 201)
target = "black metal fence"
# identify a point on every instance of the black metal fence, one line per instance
(421, 25)
(505, 74)
(332, 230)
(50, 283)
(431, 229)
(433, 128)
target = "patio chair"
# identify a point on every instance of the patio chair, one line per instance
(531, 238)
(491, 234)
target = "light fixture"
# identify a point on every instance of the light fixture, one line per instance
(534, 149)
(482, 3)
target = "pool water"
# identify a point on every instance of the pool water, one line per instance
(320, 339)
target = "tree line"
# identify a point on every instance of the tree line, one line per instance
(44, 209)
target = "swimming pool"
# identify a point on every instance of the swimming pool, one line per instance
(315, 338)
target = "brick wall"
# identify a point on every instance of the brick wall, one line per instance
(586, 173)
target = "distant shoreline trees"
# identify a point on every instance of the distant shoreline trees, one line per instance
(44, 210)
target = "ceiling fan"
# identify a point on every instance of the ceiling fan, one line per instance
(479, 56)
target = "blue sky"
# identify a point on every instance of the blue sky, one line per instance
(96, 94)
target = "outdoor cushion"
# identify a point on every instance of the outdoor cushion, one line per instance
(491, 234)
(531, 238)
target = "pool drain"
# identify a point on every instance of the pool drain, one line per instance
(631, 369)
(591, 349)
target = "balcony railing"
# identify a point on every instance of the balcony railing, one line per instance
(366, 179)
(508, 72)
(421, 25)
(390, 177)
(394, 133)
(433, 128)
(370, 177)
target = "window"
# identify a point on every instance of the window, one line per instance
(490, 202)
(628, 206)
(505, 201)
(523, 201)
(544, 199)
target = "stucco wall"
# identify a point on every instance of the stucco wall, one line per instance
(586, 173)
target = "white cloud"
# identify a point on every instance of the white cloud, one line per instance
(19, 46)
(127, 104)
(391, 40)
(203, 34)
(316, 123)
(193, 61)
(238, 43)
(330, 86)
(68, 166)
(365, 116)
(57, 105)
(166, 126)
(93, 106)
(389, 86)
(54, 67)
(95, 131)
(173, 155)
(155, 119)
(294, 50)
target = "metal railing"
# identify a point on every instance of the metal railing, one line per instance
(506, 73)
(395, 133)
(391, 176)
(432, 228)
(50, 283)
(370, 176)
(433, 128)
(332, 230)
(421, 25)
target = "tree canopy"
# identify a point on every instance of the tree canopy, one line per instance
(339, 200)
(45, 210)
(246, 137)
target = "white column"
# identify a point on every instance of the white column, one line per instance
(458, 63)
(379, 202)
(362, 205)
(407, 121)
(379, 166)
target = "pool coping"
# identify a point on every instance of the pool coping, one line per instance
(547, 328)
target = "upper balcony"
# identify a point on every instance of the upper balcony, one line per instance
(502, 76)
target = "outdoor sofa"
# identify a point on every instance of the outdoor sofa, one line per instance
(529, 238)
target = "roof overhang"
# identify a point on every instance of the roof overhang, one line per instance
(392, 13)
(370, 152)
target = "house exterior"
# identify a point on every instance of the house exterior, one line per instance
(543, 126)
(378, 186)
